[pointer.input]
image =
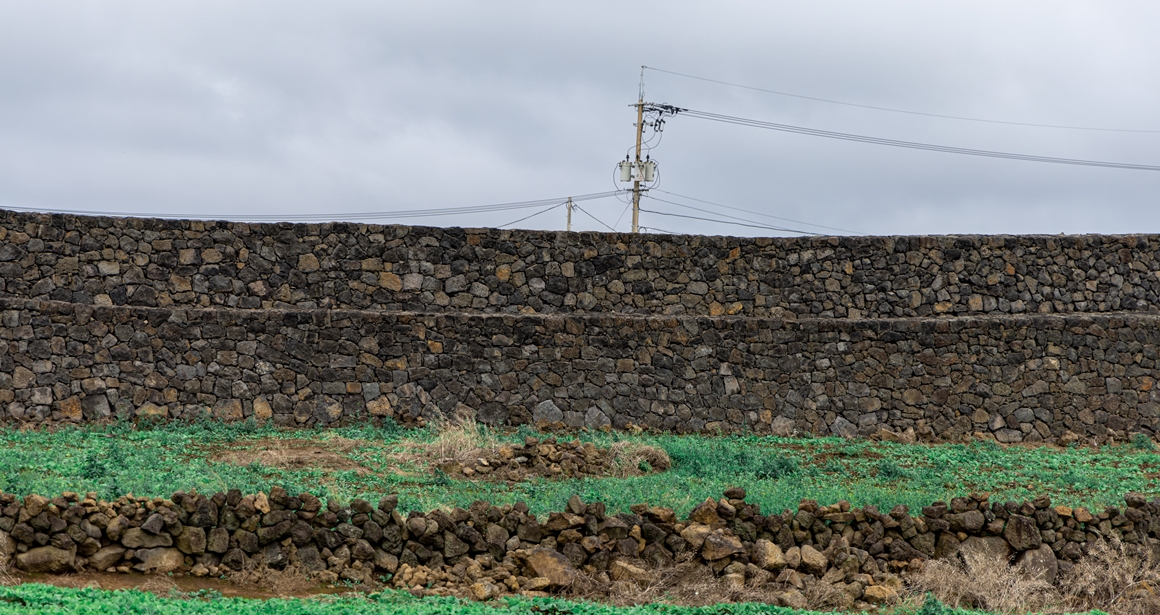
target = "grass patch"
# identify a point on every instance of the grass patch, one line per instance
(35, 598)
(369, 462)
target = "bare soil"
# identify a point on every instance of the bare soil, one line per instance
(291, 454)
(164, 585)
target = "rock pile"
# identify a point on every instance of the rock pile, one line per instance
(551, 459)
(487, 550)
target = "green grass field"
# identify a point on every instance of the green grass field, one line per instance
(43, 599)
(114, 460)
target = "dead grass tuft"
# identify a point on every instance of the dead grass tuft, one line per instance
(460, 440)
(6, 577)
(985, 583)
(628, 457)
(686, 584)
(290, 581)
(160, 585)
(1117, 578)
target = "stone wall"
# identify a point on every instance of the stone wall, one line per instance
(1016, 378)
(494, 550)
(127, 261)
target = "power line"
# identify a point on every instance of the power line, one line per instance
(533, 215)
(379, 215)
(814, 132)
(752, 222)
(595, 218)
(756, 213)
(661, 213)
(948, 117)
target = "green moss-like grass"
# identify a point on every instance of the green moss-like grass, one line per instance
(114, 460)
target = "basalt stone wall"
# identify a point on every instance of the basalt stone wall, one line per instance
(1018, 378)
(129, 261)
(505, 549)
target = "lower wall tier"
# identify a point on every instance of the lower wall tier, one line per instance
(511, 549)
(1031, 378)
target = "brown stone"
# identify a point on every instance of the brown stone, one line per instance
(620, 570)
(380, 406)
(70, 409)
(985, 548)
(46, 559)
(158, 561)
(718, 545)
(191, 540)
(705, 512)
(695, 534)
(262, 409)
(1021, 533)
(484, 590)
(390, 281)
(768, 556)
(813, 562)
(106, 557)
(552, 565)
(308, 263)
(1038, 564)
(35, 504)
(137, 538)
(879, 594)
(152, 410)
(228, 410)
(22, 378)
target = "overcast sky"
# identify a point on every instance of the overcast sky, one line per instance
(228, 108)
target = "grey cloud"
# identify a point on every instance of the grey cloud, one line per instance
(226, 108)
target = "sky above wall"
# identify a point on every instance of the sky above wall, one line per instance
(228, 109)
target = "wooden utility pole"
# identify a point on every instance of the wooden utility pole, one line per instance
(638, 170)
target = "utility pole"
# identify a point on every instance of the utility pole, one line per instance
(569, 206)
(638, 170)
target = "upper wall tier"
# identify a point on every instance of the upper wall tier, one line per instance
(148, 262)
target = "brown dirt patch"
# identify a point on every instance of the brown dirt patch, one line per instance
(163, 585)
(291, 454)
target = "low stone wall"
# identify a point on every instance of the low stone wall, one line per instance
(1030, 378)
(132, 261)
(495, 550)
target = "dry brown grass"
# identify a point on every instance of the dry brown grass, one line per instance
(265, 581)
(685, 584)
(1115, 578)
(628, 456)
(461, 440)
(6, 577)
(291, 454)
(985, 583)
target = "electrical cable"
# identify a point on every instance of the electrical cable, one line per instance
(741, 221)
(949, 117)
(659, 230)
(418, 213)
(708, 211)
(595, 218)
(624, 211)
(661, 213)
(533, 215)
(814, 132)
(756, 213)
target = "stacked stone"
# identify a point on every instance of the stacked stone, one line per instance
(547, 458)
(1027, 378)
(127, 261)
(491, 549)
